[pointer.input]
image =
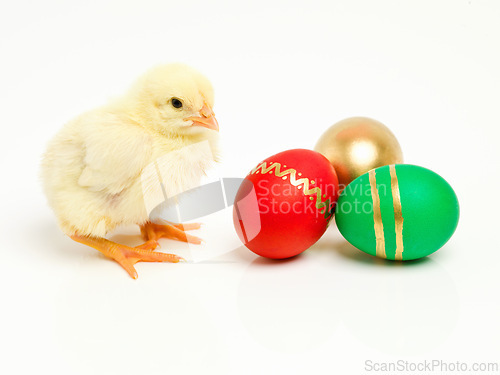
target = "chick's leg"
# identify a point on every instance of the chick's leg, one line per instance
(151, 231)
(127, 256)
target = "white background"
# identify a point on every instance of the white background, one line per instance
(283, 73)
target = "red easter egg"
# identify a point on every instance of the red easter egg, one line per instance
(285, 203)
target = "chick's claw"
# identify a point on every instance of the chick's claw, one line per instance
(128, 256)
(151, 231)
(133, 255)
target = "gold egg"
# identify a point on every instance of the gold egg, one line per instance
(356, 145)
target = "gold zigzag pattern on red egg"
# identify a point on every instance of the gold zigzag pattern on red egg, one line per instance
(304, 181)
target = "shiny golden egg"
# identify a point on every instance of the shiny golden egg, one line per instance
(356, 145)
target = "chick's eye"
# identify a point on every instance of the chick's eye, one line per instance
(176, 103)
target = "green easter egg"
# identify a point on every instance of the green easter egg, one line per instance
(398, 212)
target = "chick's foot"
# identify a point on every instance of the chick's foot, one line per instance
(184, 227)
(153, 232)
(128, 256)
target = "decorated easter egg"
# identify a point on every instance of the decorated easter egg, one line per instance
(398, 212)
(285, 203)
(356, 145)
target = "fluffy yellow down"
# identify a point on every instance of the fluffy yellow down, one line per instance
(91, 171)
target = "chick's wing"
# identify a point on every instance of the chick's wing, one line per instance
(115, 152)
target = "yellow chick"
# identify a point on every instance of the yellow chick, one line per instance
(91, 171)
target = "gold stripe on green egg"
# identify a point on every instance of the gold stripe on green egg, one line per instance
(398, 213)
(378, 226)
(387, 213)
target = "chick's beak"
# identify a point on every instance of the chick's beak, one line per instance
(206, 119)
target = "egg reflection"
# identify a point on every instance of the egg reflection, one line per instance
(288, 305)
(405, 309)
